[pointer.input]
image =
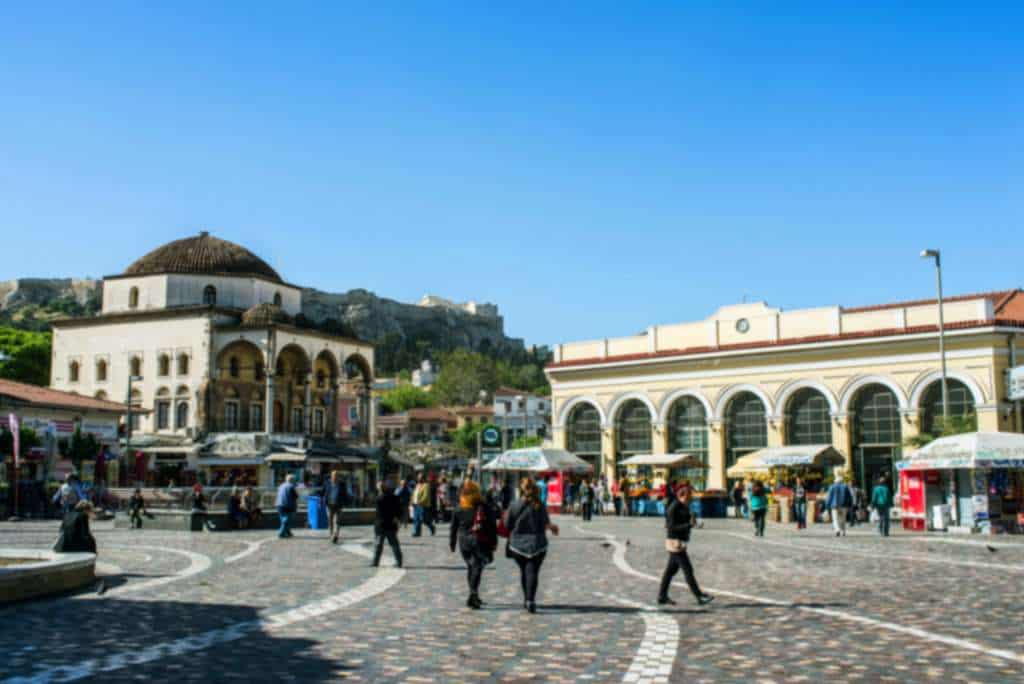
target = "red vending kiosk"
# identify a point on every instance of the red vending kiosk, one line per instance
(912, 504)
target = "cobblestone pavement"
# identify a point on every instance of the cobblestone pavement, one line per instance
(793, 606)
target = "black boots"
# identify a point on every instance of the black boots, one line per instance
(473, 602)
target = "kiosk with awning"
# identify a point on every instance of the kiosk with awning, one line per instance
(973, 481)
(551, 464)
(665, 468)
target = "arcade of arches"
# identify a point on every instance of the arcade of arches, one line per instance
(870, 432)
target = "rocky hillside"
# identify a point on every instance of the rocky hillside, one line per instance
(403, 333)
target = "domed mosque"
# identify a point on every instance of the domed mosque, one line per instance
(200, 335)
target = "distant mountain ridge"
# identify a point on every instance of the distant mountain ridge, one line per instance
(403, 333)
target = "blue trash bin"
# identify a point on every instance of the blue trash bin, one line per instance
(316, 515)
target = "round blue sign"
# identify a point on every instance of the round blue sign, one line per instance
(491, 436)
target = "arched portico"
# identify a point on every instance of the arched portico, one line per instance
(621, 399)
(727, 395)
(849, 392)
(922, 383)
(787, 391)
(672, 397)
(568, 406)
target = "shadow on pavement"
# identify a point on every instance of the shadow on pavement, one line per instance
(171, 639)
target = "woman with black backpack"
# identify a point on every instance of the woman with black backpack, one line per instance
(475, 529)
(527, 521)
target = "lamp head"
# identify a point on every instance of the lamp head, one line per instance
(929, 254)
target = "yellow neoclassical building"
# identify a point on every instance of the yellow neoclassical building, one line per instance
(753, 376)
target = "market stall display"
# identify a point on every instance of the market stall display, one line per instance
(974, 480)
(553, 465)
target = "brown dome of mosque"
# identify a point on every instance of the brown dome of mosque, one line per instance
(203, 254)
(263, 315)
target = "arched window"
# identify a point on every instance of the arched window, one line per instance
(584, 430)
(633, 429)
(181, 415)
(877, 434)
(162, 404)
(210, 296)
(747, 427)
(961, 403)
(73, 372)
(135, 366)
(688, 434)
(808, 418)
(135, 401)
(101, 371)
(233, 369)
(277, 299)
(182, 364)
(163, 365)
(133, 298)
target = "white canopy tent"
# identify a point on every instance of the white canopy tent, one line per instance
(816, 455)
(539, 459)
(968, 451)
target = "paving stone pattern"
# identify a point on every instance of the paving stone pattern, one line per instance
(795, 606)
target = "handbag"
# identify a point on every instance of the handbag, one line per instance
(503, 530)
(674, 546)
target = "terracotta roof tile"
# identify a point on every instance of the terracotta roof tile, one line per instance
(994, 297)
(44, 396)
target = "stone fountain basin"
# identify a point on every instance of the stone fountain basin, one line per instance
(46, 573)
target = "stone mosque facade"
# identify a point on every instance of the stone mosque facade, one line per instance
(200, 337)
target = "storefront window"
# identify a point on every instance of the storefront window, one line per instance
(231, 415)
(297, 420)
(688, 434)
(256, 417)
(961, 403)
(584, 430)
(163, 415)
(181, 420)
(808, 419)
(877, 434)
(633, 429)
(747, 427)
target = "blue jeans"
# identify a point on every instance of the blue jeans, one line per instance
(800, 511)
(883, 521)
(286, 524)
(421, 515)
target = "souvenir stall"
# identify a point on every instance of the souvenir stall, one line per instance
(973, 482)
(659, 470)
(808, 462)
(553, 465)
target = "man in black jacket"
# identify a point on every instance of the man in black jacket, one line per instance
(334, 499)
(389, 517)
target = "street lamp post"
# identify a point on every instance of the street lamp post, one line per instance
(935, 254)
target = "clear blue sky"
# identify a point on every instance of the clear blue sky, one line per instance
(592, 168)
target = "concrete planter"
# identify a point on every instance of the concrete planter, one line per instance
(49, 573)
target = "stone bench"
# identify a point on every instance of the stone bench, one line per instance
(218, 520)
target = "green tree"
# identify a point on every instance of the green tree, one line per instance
(27, 438)
(82, 448)
(462, 376)
(465, 436)
(956, 425)
(25, 356)
(523, 442)
(405, 397)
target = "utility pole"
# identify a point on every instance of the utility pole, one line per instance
(935, 254)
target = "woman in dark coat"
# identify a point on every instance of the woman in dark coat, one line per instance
(475, 530)
(678, 522)
(75, 536)
(527, 523)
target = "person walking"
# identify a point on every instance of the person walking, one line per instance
(855, 503)
(136, 509)
(616, 501)
(474, 530)
(387, 522)
(586, 500)
(527, 522)
(599, 497)
(506, 494)
(335, 493)
(287, 503)
(838, 500)
(881, 501)
(420, 504)
(737, 500)
(678, 523)
(251, 506)
(542, 488)
(758, 506)
(800, 504)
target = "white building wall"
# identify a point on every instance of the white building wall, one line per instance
(163, 291)
(117, 343)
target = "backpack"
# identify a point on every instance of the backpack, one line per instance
(480, 531)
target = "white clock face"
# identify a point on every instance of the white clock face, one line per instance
(742, 325)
